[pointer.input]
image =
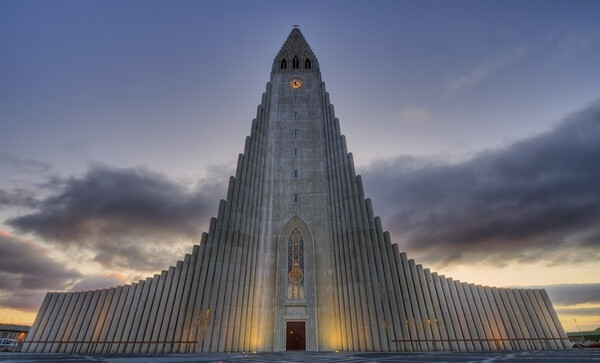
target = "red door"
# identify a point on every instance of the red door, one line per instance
(295, 336)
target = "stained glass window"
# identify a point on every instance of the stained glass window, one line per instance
(295, 266)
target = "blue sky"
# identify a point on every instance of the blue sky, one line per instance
(163, 93)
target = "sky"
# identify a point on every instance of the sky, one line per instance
(475, 126)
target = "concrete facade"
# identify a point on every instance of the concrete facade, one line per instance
(296, 241)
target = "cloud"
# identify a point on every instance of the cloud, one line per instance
(482, 71)
(537, 199)
(579, 311)
(96, 282)
(573, 294)
(18, 197)
(127, 218)
(25, 165)
(25, 269)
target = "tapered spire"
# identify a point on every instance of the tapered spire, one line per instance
(295, 55)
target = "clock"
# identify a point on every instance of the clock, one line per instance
(295, 83)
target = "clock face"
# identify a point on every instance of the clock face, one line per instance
(295, 83)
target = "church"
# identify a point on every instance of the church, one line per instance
(296, 260)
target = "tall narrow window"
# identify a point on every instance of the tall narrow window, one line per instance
(295, 63)
(295, 198)
(295, 115)
(295, 266)
(295, 132)
(295, 174)
(295, 152)
(283, 64)
(307, 63)
(295, 98)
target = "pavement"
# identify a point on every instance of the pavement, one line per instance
(562, 356)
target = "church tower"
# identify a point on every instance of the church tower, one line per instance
(296, 260)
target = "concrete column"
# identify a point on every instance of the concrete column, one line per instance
(60, 324)
(126, 310)
(409, 325)
(35, 330)
(143, 304)
(198, 314)
(503, 339)
(218, 287)
(94, 321)
(190, 319)
(146, 317)
(232, 255)
(176, 306)
(533, 317)
(241, 339)
(72, 345)
(476, 328)
(417, 322)
(370, 330)
(46, 323)
(110, 317)
(180, 326)
(391, 284)
(214, 274)
(437, 322)
(398, 306)
(489, 315)
(347, 287)
(62, 334)
(340, 304)
(102, 320)
(162, 312)
(549, 323)
(461, 311)
(154, 319)
(381, 341)
(444, 319)
(512, 342)
(561, 332)
(516, 298)
(133, 306)
(51, 327)
(428, 305)
(545, 332)
(486, 329)
(170, 302)
(83, 329)
(445, 282)
(249, 289)
(359, 308)
(521, 343)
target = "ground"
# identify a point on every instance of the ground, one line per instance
(571, 356)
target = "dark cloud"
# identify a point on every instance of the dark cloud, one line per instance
(25, 269)
(128, 218)
(573, 294)
(537, 199)
(18, 197)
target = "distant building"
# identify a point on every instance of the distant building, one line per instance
(584, 336)
(296, 260)
(13, 331)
